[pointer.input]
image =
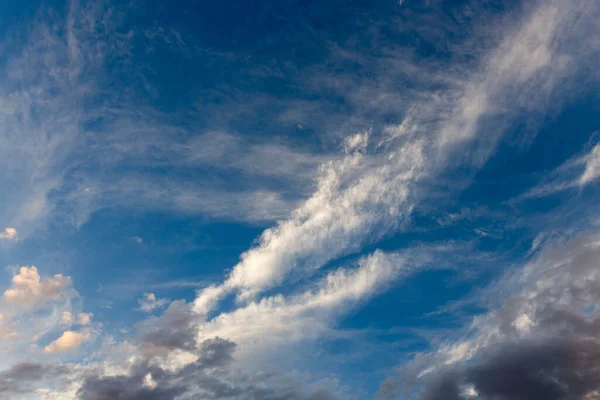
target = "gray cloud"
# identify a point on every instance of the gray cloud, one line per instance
(210, 377)
(557, 369)
(24, 377)
(175, 329)
(538, 341)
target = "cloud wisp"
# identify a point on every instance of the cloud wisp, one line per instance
(373, 190)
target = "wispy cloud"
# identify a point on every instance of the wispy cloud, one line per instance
(68, 137)
(575, 173)
(373, 190)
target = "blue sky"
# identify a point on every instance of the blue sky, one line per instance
(299, 200)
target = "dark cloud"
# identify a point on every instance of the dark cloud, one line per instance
(175, 329)
(540, 339)
(147, 381)
(210, 377)
(557, 369)
(124, 387)
(22, 377)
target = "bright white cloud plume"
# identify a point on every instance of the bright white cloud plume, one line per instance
(372, 191)
(278, 320)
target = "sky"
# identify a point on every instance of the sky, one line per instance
(300, 200)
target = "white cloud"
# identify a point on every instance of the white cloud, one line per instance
(278, 320)
(530, 63)
(9, 234)
(356, 201)
(574, 173)
(68, 341)
(29, 289)
(149, 302)
(369, 194)
(592, 166)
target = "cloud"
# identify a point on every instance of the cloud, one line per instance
(74, 122)
(84, 318)
(69, 319)
(367, 192)
(556, 369)
(30, 290)
(592, 166)
(149, 302)
(372, 191)
(9, 234)
(175, 329)
(37, 308)
(575, 173)
(354, 198)
(278, 321)
(24, 376)
(538, 340)
(60, 109)
(210, 376)
(68, 341)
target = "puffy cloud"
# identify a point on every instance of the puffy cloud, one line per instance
(149, 302)
(29, 289)
(68, 341)
(9, 234)
(36, 308)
